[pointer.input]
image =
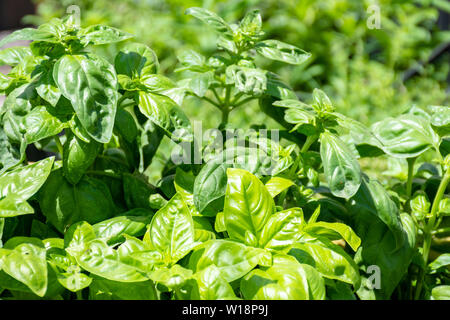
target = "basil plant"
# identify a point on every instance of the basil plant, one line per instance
(258, 218)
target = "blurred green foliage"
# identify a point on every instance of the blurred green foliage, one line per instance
(359, 67)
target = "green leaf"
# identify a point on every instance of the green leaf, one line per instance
(112, 230)
(247, 80)
(327, 258)
(136, 60)
(105, 262)
(440, 293)
(172, 277)
(276, 185)
(192, 60)
(406, 136)
(248, 206)
(13, 56)
(166, 114)
(90, 83)
(11, 154)
(26, 34)
(74, 281)
(11, 207)
(64, 204)
(379, 247)
(282, 229)
(341, 168)
(219, 224)
(211, 285)
(286, 279)
(137, 191)
(103, 289)
(211, 19)
(442, 261)
(24, 182)
(41, 124)
(280, 51)
(171, 231)
(251, 24)
(440, 120)
(126, 125)
(78, 236)
(233, 259)
(98, 35)
(26, 263)
(78, 156)
(322, 101)
(334, 231)
(199, 83)
(46, 87)
(374, 199)
(211, 182)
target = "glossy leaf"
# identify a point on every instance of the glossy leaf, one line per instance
(280, 51)
(27, 264)
(233, 259)
(64, 204)
(166, 114)
(327, 258)
(105, 262)
(341, 169)
(286, 279)
(90, 83)
(171, 231)
(248, 206)
(406, 136)
(211, 19)
(78, 156)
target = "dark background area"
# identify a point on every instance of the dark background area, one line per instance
(12, 12)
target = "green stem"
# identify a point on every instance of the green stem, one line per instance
(309, 141)
(212, 102)
(411, 162)
(79, 295)
(59, 145)
(236, 98)
(225, 113)
(428, 230)
(439, 195)
(240, 103)
(214, 91)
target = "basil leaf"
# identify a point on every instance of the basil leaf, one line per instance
(100, 34)
(233, 259)
(280, 51)
(341, 169)
(90, 83)
(248, 206)
(78, 156)
(171, 231)
(211, 19)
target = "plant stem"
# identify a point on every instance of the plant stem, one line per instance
(225, 113)
(214, 91)
(309, 141)
(79, 295)
(431, 225)
(411, 162)
(59, 145)
(212, 102)
(239, 103)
